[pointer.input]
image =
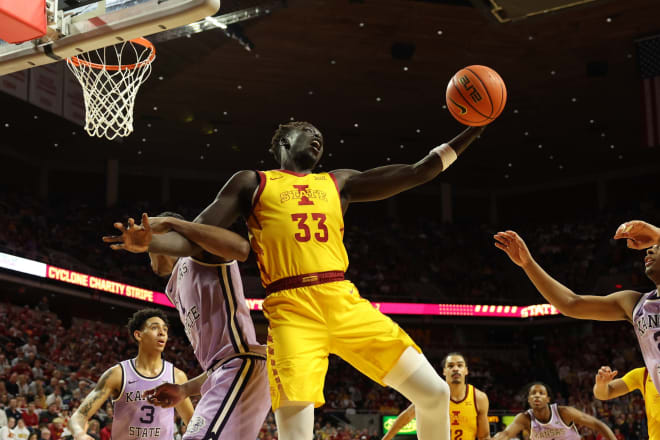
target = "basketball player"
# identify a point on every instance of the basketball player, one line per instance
(295, 222)
(468, 406)
(126, 382)
(546, 421)
(207, 291)
(606, 388)
(640, 309)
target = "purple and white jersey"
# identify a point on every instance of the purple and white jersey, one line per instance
(555, 429)
(212, 308)
(135, 417)
(646, 319)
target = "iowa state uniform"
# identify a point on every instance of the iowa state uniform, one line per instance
(296, 230)
(463, 416)
(134, 416)
(639, 379)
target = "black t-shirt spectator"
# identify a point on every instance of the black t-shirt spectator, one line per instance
(15, 413)
(47, 417)
(11, 387)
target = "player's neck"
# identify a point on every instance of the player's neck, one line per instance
(149, 364)
(296, 168)
(457, 391)
(543, 415)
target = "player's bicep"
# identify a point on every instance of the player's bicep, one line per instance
(571, 415)
(107, 387)
(483, 425)
(234, 199)
(617, 388)
(617, 306)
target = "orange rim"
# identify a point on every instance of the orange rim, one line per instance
(141, 41)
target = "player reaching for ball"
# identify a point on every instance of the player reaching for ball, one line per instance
(295, 222)
(640, 309)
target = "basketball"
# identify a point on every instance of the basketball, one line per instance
(476, 95)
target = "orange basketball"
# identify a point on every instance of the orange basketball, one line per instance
(476, 95)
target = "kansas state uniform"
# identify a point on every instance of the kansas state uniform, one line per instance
(646, 319)
(212, 307)
(555, 429)
(135, 417)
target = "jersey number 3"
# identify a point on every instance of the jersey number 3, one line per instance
(306, 234)
(148, 415)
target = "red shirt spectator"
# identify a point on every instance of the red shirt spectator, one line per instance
(56, 428)
(30, 416)
(106, 432)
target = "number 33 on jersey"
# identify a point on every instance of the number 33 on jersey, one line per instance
(297, 226)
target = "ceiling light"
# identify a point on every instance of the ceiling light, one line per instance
(612, 147)
(540, 146)
(405, 68)
(444, 106)
(378, 99)
(552, 72)
(356, 125)
(139, 151)
(361, 25)
(401, 146)
(155, 108)
(573, 99)
(418, 130)
(201, 157)
(608, 19)
(439, 32)
(510, 164)
(515, 111)
(341, 141)
(333, 62)
(239, 87)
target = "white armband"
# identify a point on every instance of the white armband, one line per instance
(446, 154)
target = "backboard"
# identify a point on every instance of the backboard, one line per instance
(96, 24)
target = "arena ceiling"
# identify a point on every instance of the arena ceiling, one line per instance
(574, 92)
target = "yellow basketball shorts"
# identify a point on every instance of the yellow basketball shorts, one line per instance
(306, 324)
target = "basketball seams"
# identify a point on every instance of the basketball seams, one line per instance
(490, 99)
(502, 96)
(465, 99)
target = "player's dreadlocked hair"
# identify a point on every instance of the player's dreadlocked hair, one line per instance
(280, 133)
(140, 317)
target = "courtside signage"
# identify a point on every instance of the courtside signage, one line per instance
(409, 429)
(31, 267)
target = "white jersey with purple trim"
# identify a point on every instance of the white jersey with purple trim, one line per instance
(555, 429)
(134, 417)
(646, 319)
(212, 308)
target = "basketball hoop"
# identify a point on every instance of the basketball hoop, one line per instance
(110, 85)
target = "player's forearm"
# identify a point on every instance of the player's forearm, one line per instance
(214, 240)
(560, 296)
(77, 424)
(605, 430)
(601, 391)
(172, 244)
(194, 386)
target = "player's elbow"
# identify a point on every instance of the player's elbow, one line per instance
(242, 250)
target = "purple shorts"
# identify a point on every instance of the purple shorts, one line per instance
(235, 402)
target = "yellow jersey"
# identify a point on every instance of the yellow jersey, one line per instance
(639, 379)
(297, 225)
(463, 416)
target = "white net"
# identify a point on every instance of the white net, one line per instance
(110, 78)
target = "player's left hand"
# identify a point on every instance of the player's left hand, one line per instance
(605, 375)
(134, 238)
(638, 234)
(514, 246)
(166, 395)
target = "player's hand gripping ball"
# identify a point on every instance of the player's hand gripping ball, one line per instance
(476, 95)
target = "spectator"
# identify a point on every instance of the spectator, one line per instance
(10, 384)
(3, 418)
(7, 432)
(20, 431)
(56, 428)
(47, 417)
(106, 432)
(37, 371)
(30, 416)
(94, 429)
(44, 434)
(34, 435)
(12, 409)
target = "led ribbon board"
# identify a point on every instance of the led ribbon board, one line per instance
(36, 268)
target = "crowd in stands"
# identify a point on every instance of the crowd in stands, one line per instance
(47, 368)
(389, 260)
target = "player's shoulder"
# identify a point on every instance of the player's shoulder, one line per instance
(481, 398)
(179, 375)
(112, 377)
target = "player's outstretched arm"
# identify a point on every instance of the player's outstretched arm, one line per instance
(108, 386)
(520, 422)
(606, 387)
(571, 415)
(168, 395)
(638, 234)
(617, 306)
(387, 181)
(214, 240)
(185, 407)
(233, 200)
(483, 425)
(404, 418)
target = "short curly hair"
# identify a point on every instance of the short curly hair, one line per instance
(528, 389)
(139, 319)
(281, 132)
